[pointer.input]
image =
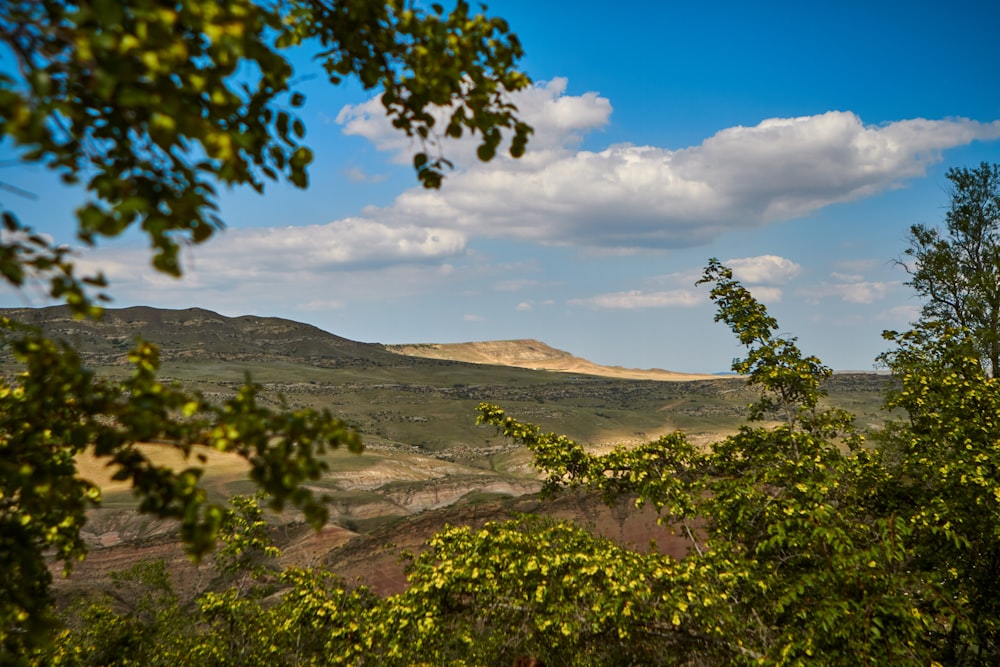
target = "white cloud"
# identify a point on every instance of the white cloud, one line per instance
(766, 294)
(247, 255)
(623, 197)
(559, 121)
(351, 241)
(636, 299)
(764, 269)
(250, 281)
(473, 318)
(620, 200)
(864, 292)
(529, 305)
(686, 278)
(240, 256)
(628, 196)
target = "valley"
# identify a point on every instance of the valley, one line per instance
(425, 462)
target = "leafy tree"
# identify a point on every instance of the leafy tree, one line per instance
(153, 103)
(789, 563)
(246, 552)
(957, 269)
(238, 620)
(246, 563)
(803, 550)
(150, 105)
(946, 474)
(139, 621)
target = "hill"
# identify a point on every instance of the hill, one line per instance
(528, 353)
(195, 334)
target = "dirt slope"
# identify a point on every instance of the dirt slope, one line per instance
(533, 354)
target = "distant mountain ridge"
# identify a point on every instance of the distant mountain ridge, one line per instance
(195, 334)
(199, 334)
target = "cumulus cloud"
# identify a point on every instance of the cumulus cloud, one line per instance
(351, 241)
(762, 276)
(636, 299)
(765, 293)
(622, 199)
(764, 270)
(245, 254)
(559, 120)
(241, 256)
(641, 196)
(238, 274)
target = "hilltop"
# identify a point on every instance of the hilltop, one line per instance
(196, 334)
(529, 353)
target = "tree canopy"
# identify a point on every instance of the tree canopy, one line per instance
(956, 270)
(150, 106)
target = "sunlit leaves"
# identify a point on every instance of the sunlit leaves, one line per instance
(791, 381)
(529, 586)
(946, 457)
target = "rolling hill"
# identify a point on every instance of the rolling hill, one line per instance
(195, 334)
(528, 353)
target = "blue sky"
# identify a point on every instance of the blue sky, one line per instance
(796, 141)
